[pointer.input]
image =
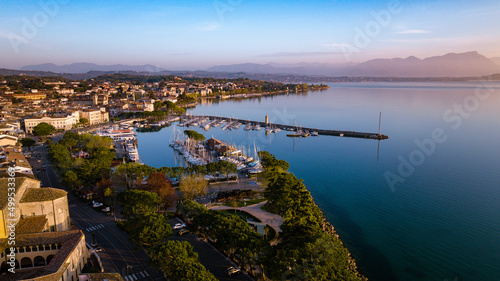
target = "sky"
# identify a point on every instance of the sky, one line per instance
(199, 34)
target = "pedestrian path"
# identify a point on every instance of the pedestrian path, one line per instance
(275, 221)
(93, 228)
(137, 276)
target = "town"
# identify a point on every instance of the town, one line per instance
(77, 203)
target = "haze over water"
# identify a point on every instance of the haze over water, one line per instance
(442, 222)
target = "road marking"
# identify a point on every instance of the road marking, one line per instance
(126, 278)
(72, 205)
(145, 272)
(96, 227)
(135, 278)
(142, 274)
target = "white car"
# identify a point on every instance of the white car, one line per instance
(179, 225)
(96, 204)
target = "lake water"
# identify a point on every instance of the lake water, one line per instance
(422, 205)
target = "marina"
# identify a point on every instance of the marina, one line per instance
(295, 131)
(213, 150)
(124, 141)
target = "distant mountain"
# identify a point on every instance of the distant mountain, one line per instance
(84, 67)
(495, 60)
(313, 69)
(449, 65)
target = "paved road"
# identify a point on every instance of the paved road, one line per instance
(212, 259)
(118, 254)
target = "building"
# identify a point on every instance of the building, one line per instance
(95, 116)
(30, 96)
(101, 277)
(62, 123)
(11, 157)
(7, 140)
(46, 246)
(48, 205)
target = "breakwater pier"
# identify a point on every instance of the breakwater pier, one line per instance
(294, 128)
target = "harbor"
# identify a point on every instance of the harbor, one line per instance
(212, 150)
(294, 130)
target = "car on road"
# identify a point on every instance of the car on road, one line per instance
(44, 167)
(179, 225)
(96, 204)
(182, 231)
(230, 271)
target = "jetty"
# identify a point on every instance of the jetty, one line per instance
(325, 132)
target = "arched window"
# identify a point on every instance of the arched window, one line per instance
(3, 268)
(59, 246)
(21, 249)
(26, 262)
(53, 247)
(39, 261)
(49, 258)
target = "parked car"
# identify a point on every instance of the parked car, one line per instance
(182, 231)
(44, 167)
(230, 271)
(179, 225)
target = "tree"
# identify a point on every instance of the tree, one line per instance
(189, 209)
(194, 135)
(149, 229)
(192, 186)
(104, 189)
(60, 154)
(43, 129)
(179, 262)
(69, 142)
(138, 202)
(27, 142)
(70, 179)
(227, 168)
(84, 120)
(127, 173)
(158, 183)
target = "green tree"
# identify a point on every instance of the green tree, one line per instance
(71, 180)
(149, 229)
(179, 262)
(84, 121)
(27, 142)
(138, 202)
(189, 209)
(227, 168)
(43, 129)
(194, 135)
(60, 154)
(127, 173)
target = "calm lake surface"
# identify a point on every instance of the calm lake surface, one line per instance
(421, 208)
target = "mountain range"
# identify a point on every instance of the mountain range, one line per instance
(84, 67)
(450, 65)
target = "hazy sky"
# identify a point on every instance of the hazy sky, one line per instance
(197, 34)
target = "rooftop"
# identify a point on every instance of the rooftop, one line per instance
(34, 224)
(42, 194)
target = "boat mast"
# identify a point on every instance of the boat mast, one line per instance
(379, 122)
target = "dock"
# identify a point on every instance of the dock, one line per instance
(325, 132)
